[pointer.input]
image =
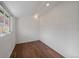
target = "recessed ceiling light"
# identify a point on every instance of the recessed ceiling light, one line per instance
(47, 4)
(36, 16)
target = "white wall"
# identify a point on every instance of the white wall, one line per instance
(7, 43)
(27, 29)
(59, 29)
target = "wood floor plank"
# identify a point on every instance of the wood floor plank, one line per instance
(36, 49)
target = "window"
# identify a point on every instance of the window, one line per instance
(5, 22)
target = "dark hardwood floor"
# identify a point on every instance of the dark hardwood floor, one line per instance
(35, 49)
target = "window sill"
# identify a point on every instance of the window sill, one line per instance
(4, 34)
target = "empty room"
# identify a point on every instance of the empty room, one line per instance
(39, 29)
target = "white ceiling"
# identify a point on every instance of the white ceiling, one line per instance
(29, 8)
